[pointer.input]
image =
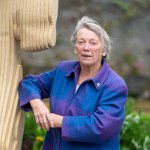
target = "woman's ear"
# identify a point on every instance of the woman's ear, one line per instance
(104, 54)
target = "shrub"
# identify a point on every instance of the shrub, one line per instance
(135, 134)
(33, 132)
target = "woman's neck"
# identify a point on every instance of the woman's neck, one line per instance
(88, 72)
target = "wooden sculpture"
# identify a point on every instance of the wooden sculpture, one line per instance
(24, 24)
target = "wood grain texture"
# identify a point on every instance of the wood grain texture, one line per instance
(24, 25)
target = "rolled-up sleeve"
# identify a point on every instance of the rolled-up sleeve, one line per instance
(35, 87)
(104, 123)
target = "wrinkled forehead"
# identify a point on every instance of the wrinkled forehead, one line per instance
(88, 33)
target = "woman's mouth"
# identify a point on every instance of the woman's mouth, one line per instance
(85, 55)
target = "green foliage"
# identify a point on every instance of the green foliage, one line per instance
(131, 9)
(121, 4)
(33, 132)
(30, 126)
(129, 105)
(135, 133)
(128, 13)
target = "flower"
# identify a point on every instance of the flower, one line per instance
(39, 138)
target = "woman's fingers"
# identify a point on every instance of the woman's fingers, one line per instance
(50, 120)
(44, 122)
(41, 119)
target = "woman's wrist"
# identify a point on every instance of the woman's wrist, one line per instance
(57, 119)
(33, 102)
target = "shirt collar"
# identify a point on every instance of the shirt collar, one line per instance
(75, 69)
(101, 76)
(98, 80)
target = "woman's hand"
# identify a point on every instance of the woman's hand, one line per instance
(41, 114)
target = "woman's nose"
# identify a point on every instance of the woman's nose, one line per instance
(86, 47)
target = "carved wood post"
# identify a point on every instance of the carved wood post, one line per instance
(33, 25)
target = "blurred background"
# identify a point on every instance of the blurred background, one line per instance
(128, 24)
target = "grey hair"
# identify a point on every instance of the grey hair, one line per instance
(89, 23)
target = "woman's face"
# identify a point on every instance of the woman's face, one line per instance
(88, 48)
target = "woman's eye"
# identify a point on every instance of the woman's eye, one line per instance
(80, 42)
(93, 43)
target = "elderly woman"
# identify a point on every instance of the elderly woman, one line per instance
(87, 97)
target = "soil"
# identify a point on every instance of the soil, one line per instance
(27, 144)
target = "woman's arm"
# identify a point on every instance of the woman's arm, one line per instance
(35, 87)
(31, 90)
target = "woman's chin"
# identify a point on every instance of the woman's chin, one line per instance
(86, 63)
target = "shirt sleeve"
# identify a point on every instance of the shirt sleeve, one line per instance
(35, 87)
(103, 124)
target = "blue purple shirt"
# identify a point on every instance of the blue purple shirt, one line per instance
(93, 115)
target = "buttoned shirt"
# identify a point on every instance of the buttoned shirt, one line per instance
(93, 115)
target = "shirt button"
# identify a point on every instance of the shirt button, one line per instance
(98, 84)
